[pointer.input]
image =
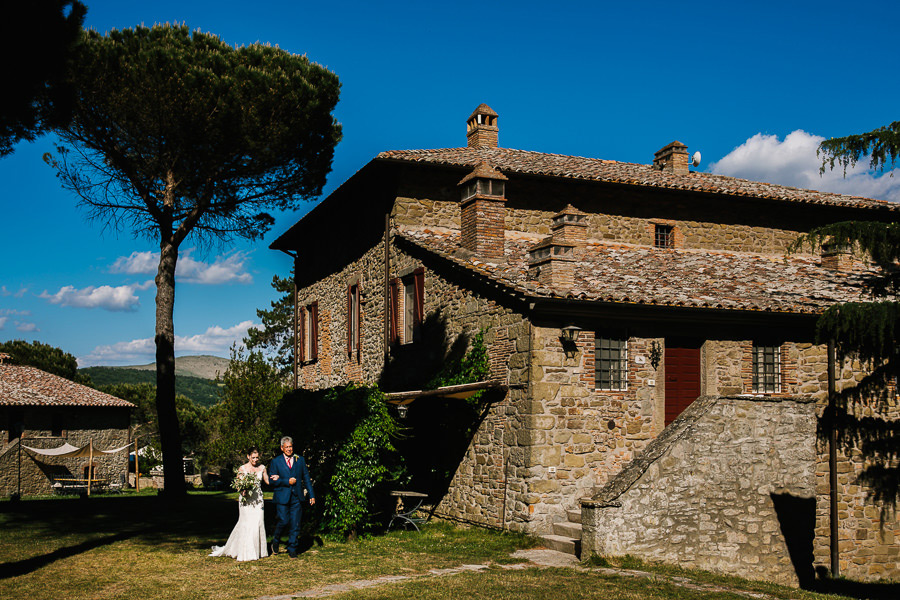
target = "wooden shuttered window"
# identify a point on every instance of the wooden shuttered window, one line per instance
(314, 331)
(419, 282)
(395, 311)
(301, 335)
(354, 339)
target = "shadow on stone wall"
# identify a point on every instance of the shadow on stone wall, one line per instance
(412, 366)
(797, 519)
(437, 431)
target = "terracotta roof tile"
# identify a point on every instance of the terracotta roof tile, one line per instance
(593, 169)
(620, 273)
(28, 386)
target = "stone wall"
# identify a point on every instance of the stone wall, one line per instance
(734, 237)
(729, 487)
(334, 365)
(489, 473)
(577, 436)
(107, 426)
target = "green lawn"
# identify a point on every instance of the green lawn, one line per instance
(137, 547)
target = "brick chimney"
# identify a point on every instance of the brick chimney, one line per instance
(483, 212)
(672, 158)
(552, 260)
(481, 128)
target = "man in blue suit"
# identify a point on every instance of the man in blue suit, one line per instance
(286, 472)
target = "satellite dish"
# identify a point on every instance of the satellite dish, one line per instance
(695, 160)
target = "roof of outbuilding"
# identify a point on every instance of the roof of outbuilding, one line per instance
(609, 171)
(630, 274)
(28, 386)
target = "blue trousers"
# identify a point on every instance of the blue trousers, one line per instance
(287, 516)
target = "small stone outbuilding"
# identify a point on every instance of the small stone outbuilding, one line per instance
(612, 296)
(45, 411)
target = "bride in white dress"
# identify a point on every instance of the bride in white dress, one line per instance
(248, 538)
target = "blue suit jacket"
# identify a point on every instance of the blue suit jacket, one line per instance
(283, 491)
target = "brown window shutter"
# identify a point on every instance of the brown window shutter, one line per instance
(395, 310)
(419, 275)
(314, 331)
(350, 320)
(359, 323)
(301, 334)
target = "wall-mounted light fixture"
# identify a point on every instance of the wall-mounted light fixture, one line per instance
(568, 335)
(656, 353)
(402, 409)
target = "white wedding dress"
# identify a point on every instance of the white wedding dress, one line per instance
(248, 538)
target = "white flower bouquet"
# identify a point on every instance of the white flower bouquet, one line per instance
(245, 484)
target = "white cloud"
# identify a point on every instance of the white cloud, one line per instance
(6, 292)
(3, 321)
(137, 263)
(24, 326)
(116, 299)
(793, 162)
(227, 269)
(215, 340)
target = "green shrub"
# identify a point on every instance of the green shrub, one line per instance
(346, 436)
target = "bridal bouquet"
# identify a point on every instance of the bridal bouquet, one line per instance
(244, 483)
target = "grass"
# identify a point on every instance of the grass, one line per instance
(138, 547)
(135, 546)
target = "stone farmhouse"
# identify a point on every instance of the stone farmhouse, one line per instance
(650, 335)
(44, 411)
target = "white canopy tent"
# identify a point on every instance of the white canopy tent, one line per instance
(67, 450)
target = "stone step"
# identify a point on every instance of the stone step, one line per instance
(567, 529)
(562, 543)
(574, 515)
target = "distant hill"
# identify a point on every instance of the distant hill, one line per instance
(194, 376)
(203, 366)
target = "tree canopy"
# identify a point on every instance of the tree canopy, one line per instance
(881, 145)
(46, 358)
(37, 39)
(176, 135)
(276, 337)
(864, 416)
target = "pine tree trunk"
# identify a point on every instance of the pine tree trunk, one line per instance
(169, 430)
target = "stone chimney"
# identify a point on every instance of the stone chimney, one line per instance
(551, 261)
(483, 212)
(481, 128)
(672, 158)
(838, 258)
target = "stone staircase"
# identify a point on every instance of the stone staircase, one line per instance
(566, 536)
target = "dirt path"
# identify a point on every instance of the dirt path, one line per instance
(539, 558)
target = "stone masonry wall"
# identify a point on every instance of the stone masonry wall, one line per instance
(609, 227)
(488, 474)
(869, 549)
(578, 437)
(486, 482)
(107, 427)
(724, 488)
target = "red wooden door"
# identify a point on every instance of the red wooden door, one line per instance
(682, 377)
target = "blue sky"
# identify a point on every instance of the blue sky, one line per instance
(752, 86)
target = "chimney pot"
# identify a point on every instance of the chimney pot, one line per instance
(481, 128)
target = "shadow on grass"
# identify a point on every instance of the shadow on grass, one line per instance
(196, 522)
(855, 589)
(22, 567)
